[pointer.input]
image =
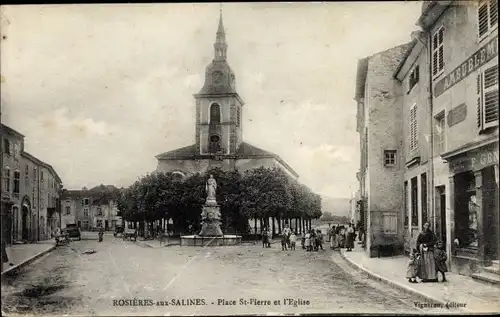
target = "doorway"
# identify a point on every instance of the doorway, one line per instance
(490, 215)
(106, 225)
(24, 221)
(441, 212)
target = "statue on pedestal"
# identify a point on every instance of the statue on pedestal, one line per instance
(210, 216)
(211, 187)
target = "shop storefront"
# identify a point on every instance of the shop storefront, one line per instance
(474, 211)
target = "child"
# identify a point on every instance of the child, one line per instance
(441, 257)
(283, 242)
(293, 239)
(412, 270)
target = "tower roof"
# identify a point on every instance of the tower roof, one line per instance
(219, 77)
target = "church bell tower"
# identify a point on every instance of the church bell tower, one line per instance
(218, 105)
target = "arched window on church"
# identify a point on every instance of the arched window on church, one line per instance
(214, 113)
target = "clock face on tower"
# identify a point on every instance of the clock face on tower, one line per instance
(217, 77)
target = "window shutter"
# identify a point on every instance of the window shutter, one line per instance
(483, 18)
(490, 96)
(434, 62)
(493, 13)
(479, 107)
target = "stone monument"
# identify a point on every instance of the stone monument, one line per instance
(211, 233)
(210, 215)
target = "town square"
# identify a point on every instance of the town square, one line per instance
(250, 158)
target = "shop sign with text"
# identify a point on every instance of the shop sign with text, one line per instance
(478, 59)
(474, 161)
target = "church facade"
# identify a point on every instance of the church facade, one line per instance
(219, 126)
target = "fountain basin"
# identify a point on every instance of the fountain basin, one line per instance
(201, 241)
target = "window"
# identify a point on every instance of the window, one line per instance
(99, 211)
(413, 128)
(26, 171)
(405, 203)
(439, 124)
(215, 113)
(41, 177)
(67, 210)
(34, 173)
(85, 202)
(17, 176)
(423, 195)
(487, 14)
(6, 179)
(437, 52)
(414, 202)
(390, 223)
(390, 158)
(42, 202)
(16, 151)
(99, 223)
(413, 79)
(85, 212)
(6, 146)
(487, 101)
(86, 224)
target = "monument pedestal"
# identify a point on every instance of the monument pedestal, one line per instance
(210, 221)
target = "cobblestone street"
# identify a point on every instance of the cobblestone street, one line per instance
(67, 281)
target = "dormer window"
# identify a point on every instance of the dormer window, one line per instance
(413, 79)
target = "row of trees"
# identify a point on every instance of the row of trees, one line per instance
(259, 194)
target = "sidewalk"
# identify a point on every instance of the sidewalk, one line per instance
(23, 254)
(459, 289)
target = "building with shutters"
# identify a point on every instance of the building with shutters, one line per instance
(379, 124)
(462, 45)
(30, 192)
(219, 126)
(447, 95)
(91, 209)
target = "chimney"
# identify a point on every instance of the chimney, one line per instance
(415, 35)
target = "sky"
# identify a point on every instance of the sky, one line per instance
(99, 90)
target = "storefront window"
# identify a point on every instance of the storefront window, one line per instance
(473, 209)
(466, 210)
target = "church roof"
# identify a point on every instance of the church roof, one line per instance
(245, 151)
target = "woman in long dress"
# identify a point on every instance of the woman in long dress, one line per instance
(425, 244)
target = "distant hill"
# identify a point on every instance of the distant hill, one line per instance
(335, 206)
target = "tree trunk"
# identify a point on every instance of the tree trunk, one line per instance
(279, 225)
(274, 226)
(295, 224)
(310, 227)
(255, 225)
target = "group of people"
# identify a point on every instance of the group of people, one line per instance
(428, 259)
(342, 237)
(312, 240)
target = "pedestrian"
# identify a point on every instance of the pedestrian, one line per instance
(441, 258)
(426, 241)
(264, 238)
(307, 241)
(269, 237)
(350, 238)
(333, 239)
(284, 242)
(320, 240)
(341, 237)
(412, 269)
(293, 240)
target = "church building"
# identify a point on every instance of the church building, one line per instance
(219, 126)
